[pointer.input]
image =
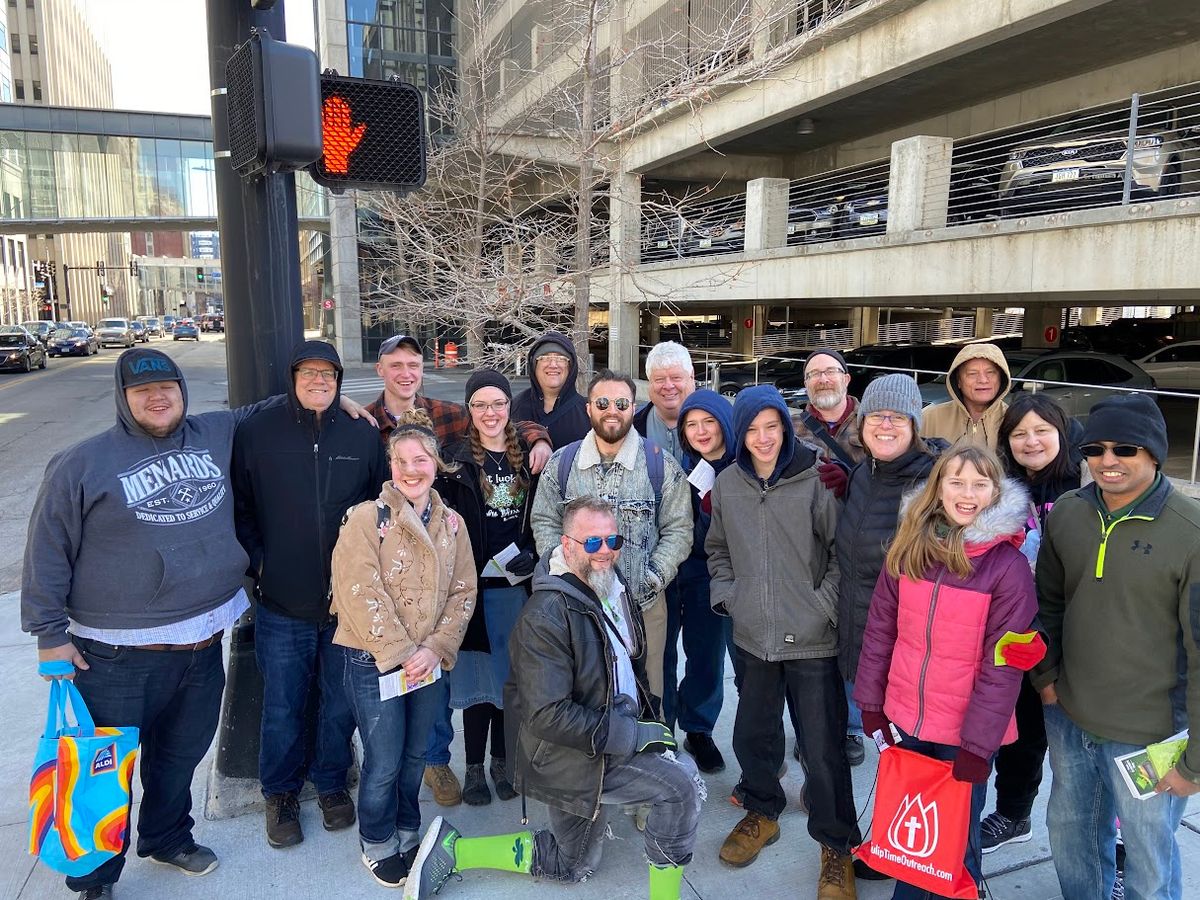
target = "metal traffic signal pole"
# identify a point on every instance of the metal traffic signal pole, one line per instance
(261, 276)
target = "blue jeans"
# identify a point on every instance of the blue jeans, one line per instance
(292, 654)
(974, 854)
(695, 703)
(394, 734)
(441, 732)
(174, 697)
(854, 722)
(1086, 795)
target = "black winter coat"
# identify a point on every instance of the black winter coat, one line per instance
(294, 478)
(568, 420)
(865, 530)
(462, 492)
(561, 724)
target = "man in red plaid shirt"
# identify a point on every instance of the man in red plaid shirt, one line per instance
(401, 366)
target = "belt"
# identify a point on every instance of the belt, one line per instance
(189, 648)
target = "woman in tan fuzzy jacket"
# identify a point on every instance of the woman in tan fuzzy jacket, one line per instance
(404, 589)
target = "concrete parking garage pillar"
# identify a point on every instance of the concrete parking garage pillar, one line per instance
(864, 325)
(766, 213)
(983, 321)
(919, 184)
(748, 323)
(624, 309)
(1042, 326)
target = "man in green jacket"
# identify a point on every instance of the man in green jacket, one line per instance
(1118, 582)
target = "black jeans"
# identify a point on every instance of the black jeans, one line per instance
(1019, 764)
(758, 740)
(174, 697)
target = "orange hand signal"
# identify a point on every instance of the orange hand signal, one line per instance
(340, 136)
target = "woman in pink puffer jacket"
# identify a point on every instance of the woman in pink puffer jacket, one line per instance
(954, 584)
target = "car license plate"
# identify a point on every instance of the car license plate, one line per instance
(792, 229)
(823, 223)
(662, 245)
(705, 243)
(1064, 175)
(868, 219)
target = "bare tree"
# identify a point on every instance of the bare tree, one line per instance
(505, 240)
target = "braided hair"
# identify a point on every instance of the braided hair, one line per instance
(513, 453)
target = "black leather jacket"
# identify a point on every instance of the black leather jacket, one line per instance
(561, 724)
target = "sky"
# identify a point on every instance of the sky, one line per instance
(159, 51)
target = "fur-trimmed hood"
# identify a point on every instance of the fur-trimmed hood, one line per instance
(1003, 521)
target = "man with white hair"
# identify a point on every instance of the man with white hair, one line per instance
(672, 379)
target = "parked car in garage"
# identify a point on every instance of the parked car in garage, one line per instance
(41, 329)
(20, 350)
(811, 221)
(139, 331)
(1175, 367)
(73, 342)
(186, 329)
(717, 227)
(864, 212)
(115, 331)
(1089, 377)
(770, 369)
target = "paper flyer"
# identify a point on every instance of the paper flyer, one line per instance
(396, 684)
(1143, 769)
(702, 477)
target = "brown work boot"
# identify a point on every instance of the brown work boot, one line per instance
(754, 832)
(444, 784)
(836, 881)
(337, 810)
(283, 821)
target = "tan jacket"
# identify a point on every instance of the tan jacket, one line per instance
(412, 588)
(951, 421)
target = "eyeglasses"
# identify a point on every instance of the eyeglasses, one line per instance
(1123, 450)
(621, 403)
(831, 372)
(595, 542)
(895, 421)
(314, 374)
(479, 406)
(555, 358)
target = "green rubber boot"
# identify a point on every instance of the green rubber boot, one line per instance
(502, 852)
(665, 882)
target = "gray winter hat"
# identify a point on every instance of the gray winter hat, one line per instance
(896, 392)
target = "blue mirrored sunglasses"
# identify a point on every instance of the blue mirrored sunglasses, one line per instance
(592, 544)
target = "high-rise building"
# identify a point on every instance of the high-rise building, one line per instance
(16, 297)
(56, 60)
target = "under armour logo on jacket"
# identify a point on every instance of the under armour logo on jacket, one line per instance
(1145, 548)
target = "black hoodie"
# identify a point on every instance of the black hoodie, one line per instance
(294, 477)
(568, 420)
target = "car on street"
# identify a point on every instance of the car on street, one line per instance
(168, 323)
(73, 342)
(77, 324)
(115, 331)
(41, 329)
(154, 325)
(1175, 367)
(1089, 378)
(139, 331)
(212, 322)
(186, 329)
(20, 350)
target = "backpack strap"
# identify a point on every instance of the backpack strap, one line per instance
(821, 431)
(654, 469)
(565, 463)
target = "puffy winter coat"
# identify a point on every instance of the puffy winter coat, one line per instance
(865, 530)
(928, 653)
(950, 420)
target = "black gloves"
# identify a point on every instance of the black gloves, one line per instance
(653, 736)
(522, 564)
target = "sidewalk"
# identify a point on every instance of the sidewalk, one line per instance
(328, 864)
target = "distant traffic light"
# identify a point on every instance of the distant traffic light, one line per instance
(373, 135)
(200, 274)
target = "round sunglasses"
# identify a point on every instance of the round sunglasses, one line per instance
(602, 403)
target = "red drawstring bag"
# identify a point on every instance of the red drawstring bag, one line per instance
(919, 829)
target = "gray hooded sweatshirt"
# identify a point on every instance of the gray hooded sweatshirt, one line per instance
(133, 531)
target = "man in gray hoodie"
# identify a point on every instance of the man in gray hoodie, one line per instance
(132, 573)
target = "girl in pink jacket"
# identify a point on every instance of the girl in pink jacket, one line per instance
(954, 583)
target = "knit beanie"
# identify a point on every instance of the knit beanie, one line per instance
(487, 378)
(1128, 419)
(841, 360)
(896, 392)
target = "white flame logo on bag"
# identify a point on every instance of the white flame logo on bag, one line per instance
(914, 828)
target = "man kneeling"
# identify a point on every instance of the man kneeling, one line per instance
(586, 735)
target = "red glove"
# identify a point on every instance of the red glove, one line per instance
(877, 721)
(834, 476)
(1024, 656)
(970, 768)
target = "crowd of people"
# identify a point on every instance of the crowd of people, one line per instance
(983, 582)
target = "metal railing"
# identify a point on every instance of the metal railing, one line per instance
(673, 230)
(839, 205)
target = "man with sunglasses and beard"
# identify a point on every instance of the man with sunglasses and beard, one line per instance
(582, 732)
(1118, 582)
(611, 462)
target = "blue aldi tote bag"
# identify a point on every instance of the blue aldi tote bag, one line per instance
(79, 792)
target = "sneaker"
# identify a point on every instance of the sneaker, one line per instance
(738, 796)
(499, 772)
(191, 860)
(283, 821)
(864, 872)
(337, 810)
(434, 863)
(836, 881)
(997, 830)
(748, 838)
(475, 788)
(444, 784)
(390, 872)
(708, 758)
(856, 754)
(99, 892)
